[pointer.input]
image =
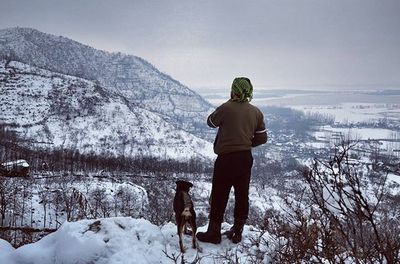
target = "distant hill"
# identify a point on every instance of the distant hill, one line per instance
(135, 79)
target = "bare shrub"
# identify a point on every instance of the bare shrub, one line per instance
(344, 217)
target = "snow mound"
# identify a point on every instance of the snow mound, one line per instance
(5, 247)
(123, 240)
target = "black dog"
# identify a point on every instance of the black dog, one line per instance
(184, 212)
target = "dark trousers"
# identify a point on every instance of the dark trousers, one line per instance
(232, 169)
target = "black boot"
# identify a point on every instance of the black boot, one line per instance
(235, 233)
(213, 234)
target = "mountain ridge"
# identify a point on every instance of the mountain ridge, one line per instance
(133, 77)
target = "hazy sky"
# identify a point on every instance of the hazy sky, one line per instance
(206, 43)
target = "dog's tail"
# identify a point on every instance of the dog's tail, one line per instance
(186, 213)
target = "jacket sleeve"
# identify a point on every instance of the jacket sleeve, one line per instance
(214, 120)
(260, 135)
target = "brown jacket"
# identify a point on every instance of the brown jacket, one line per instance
(241, 127)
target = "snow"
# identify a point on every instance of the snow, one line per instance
(111, 188)
(354, 112)
(355, 133)
(394, 178)
(63, 111)
(122, 240)
(21, 163)
(5, 248)
(132, 77)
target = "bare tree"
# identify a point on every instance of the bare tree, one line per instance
(5, 197)
(44, 196)
(100, 203)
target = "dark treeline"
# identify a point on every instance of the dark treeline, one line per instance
(69, 161)
(290, 120)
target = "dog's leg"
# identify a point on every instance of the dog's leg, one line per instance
(181, 243)
(180, 231)
(178, 227)
(194, 230)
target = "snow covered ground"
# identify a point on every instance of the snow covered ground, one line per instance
(386, 139)
(393, 178)
(356, 133)
(354, 112)
(127, 240)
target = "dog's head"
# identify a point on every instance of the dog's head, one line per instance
(182, 185)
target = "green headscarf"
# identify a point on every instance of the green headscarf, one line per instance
(243, 89)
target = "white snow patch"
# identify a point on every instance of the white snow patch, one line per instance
(394, 178)
(5, 247)
(124, 240)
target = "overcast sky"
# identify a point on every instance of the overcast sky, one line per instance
(206, 43)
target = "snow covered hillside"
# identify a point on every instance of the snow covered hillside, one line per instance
(128, 240)
(134, 78)
(56, 110)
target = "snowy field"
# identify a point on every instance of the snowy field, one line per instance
(355, 112)
(388, 139)
(355, 133)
